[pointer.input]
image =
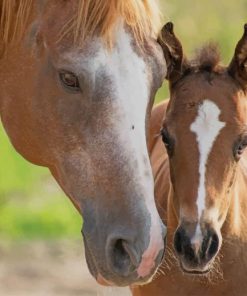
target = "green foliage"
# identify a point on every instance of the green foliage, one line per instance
(39, 218)
(16, 175)
(31, 205)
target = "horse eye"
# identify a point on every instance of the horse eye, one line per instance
(70, 80)
(167, 140)
(165, 137)
(239, 149)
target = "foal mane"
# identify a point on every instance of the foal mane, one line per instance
(93, 16)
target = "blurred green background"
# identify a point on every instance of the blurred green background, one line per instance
(31, 204)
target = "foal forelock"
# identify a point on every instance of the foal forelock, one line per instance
(206, 127)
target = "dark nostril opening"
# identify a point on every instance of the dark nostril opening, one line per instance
(180, 240)
(122, 258)
(210, 245)
(183, 245)
(213, 245)
(189, 253)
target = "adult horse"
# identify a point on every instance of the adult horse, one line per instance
(78, 80)
(204, 204)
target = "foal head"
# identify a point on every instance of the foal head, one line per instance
(81, 105)
(205, 133)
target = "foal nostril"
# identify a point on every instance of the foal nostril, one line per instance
(178, 242)
(189, 253)
(183, 245)
(213, 245)
(210, 245)
(123, 259)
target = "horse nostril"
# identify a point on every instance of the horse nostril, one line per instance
(124, 260)
(213, 245)
(178, 239)
(210, 245)
(189, 253)
(120, 256)
(183, 245)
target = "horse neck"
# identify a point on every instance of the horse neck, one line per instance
(236, 221)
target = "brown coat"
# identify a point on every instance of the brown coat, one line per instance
(229, 276)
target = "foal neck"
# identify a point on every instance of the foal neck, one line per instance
(235, 225)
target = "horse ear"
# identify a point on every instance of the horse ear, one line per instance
(173, 52)
(238, 65)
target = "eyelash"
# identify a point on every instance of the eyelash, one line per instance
(167, 140)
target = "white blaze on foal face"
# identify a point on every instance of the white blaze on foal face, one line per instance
(207, 127)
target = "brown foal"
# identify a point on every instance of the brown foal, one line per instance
(200, 173)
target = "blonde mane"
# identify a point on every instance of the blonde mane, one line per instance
(94, 16)
(14, 16)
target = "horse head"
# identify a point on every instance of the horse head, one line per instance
(76, 98)
(205, 135)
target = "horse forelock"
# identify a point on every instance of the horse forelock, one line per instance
(142, 16)
(93, 16)
(14, 15)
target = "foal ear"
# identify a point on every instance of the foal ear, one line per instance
(173, 52)
(238, 65)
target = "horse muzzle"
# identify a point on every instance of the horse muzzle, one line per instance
(124, 258)
(196, 255)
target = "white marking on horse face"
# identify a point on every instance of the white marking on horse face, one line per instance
(131, 89)
(131, 79)
(197, 237)
(207, 127)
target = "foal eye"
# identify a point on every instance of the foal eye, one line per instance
(168, 142)
(239, 148)
(165, 137)
(69, 80)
